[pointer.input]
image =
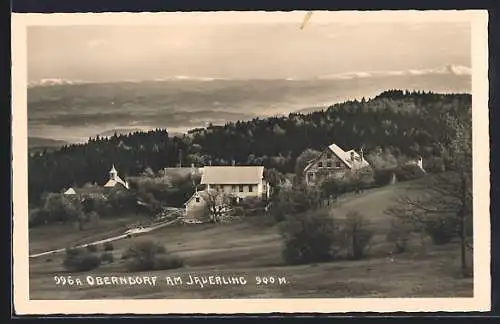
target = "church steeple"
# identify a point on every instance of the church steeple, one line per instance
(113, 174)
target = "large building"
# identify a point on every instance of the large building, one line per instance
(334, 162)
(233, 182)
(238, 181)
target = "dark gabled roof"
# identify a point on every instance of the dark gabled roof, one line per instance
(89, 190)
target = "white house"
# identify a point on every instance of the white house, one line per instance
(334, 162)
(236, 182)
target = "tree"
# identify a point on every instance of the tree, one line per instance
(147, 255)
(357, 234)
(295, 200)
(309, 237)
(303, 159)
(66, 209)
(217, 203)
(331, 188)
(399, 234)
(358, 180)
(446, 204)
(274, 177)
(79, 259)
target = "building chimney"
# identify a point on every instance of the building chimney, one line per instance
(210, 162)
(233, 162)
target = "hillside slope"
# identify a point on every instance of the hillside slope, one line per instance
(249, 248)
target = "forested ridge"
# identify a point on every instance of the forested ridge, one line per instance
(402, 122)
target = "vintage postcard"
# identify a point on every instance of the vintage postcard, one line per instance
(250, 162)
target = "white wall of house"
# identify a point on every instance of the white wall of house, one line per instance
(243, 190)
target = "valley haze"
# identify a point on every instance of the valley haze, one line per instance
(87, 80)
(73, 111)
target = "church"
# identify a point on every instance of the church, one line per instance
(114, 183)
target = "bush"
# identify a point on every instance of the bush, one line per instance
(434, 164)
(293, 201)
(382, 177)
(252, 203)
(107, 257)
(238, 211)
(62, 208)
(308, 238)
(108, 246)
(409, 172)
(38, 216)
(92, 248)
(441, 230)
(77, 259)
(359, 180)
(331, 187)
(74, 251)
(399, 234)
(165, 262)
(357, 235)
(149, 255)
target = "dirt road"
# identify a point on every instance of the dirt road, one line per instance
(109, 239)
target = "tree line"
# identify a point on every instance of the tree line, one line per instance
(401, 123)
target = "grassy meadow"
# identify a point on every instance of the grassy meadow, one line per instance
(252, 247)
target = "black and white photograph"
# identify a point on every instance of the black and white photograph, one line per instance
(332, 158)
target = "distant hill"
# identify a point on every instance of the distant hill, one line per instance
(120, 131)
(72, 109)
(39, 143)
(402, 123)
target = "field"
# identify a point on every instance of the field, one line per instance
(56, 236)
(251, 248)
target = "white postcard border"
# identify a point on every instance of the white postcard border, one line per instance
(481, 187)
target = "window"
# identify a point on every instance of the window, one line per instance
(320, 164)
(337, 164)
(328, 156)
(310, 176)
(329, 164)
(241, 188)
(197, 199)
(233, 188)
(250, 188)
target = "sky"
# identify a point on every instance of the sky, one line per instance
(243, 49)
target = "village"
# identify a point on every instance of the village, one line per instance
(224, 187)
(231, 221)
(241, 205)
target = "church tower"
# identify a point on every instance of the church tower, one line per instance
(113, 174)
(114, 179)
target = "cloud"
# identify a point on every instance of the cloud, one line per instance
(446, 70)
